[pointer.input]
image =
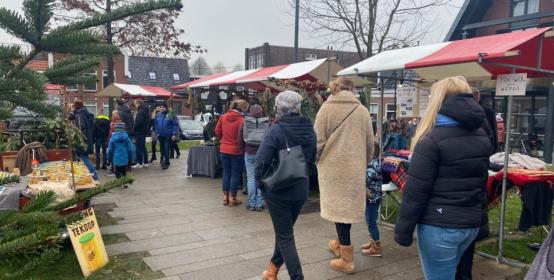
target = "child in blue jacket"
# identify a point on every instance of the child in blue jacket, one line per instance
(120, 150)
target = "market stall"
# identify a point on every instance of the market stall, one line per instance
(508, 58)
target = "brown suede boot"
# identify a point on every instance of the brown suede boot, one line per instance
(225, 198)
(334, 246)
(368, 244)
(374, 250)
(271, 272)
(346, 261)
(233, 201)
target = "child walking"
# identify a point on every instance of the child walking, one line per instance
(374, 183)
(120, 150)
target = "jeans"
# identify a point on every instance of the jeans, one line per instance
(89, 165)
(255, 198)
(283, 215)
(101, 144)
(343, 231)
(463, 270)
(440, 249)
(153, 144)
(232, 171)
(120, 171)
(165, 145)
(371, 216)
(142, 154)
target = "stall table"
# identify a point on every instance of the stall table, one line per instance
(204, 161)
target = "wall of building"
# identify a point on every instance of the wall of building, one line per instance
(503, 9)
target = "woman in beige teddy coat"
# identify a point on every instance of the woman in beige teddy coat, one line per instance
(344, 147)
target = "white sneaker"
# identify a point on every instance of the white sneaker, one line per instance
(145, 165)
(137, 166)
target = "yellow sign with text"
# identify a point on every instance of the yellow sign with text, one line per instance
(87, 243)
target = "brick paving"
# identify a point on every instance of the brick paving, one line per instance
(189, 235)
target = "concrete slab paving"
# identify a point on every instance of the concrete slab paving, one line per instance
(189, 235)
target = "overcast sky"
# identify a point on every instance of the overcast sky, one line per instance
(227, 27)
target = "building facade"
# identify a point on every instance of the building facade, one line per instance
(268, 55)
(533, 114)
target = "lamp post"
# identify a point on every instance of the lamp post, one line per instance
(296, 23)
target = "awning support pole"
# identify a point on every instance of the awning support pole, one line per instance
(534, 69)
(380, 118)
(505, 176)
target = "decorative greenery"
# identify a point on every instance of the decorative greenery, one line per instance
(31, 237)
(6, 178)
(82, 49)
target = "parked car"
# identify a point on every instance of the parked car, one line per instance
(192, 130)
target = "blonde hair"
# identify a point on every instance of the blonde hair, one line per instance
(240, 105)
(439, 92)
(340, 84)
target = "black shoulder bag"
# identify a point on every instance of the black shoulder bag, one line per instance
(290, 169)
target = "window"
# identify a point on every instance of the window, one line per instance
(524, 7)
(391, 111)
(176, 77)
(91, 107)
(311, 56)
(91, 86)
(252, 62)
(72, 87)
(373, 108)
(260, 63)
(152, 75)
(105, 78)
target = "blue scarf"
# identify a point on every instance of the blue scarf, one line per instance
(444, 120)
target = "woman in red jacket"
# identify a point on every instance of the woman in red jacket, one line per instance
(231, 152)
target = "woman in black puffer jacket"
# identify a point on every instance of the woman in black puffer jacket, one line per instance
(446, 180)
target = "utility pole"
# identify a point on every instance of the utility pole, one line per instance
(109, 59)
(296, 23)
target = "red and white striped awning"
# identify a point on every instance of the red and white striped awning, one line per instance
(462, 57)
(201, 80)
(118, 90)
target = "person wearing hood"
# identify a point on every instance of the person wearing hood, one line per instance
(85, 122)
(101, 133)
(120, 150)
(344, 148)
(126, 115)
(251, 135)
(284, 205)
(227, 129)
(166, 129)
(448, 172)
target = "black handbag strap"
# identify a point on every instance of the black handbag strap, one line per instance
(286, 137)
(347, 116)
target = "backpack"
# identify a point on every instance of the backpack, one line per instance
(254, 130)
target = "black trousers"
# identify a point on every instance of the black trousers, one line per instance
(165, 145)
(174, 150)
(153, 143)
(101, 145)
(463, 270)
(283, 215)
(120, 171)
(343, 231)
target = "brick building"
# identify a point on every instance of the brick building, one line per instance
(533, 113)
(268, 55)
(149, 71)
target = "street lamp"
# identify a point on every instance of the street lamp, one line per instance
(296, 23)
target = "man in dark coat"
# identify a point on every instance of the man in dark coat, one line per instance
(85, 122)
(142, 124)
(101, 135)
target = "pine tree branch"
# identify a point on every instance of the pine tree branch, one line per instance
(121, 13)
(39, 202)
(38, 14)
(19, 66)
(16, 25)
(91, 193)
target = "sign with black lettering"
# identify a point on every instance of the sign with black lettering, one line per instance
(511, 84)
(87, 243)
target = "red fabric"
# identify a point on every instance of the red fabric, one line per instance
(201, 80)
(227, 130)
(494, 46)
(158, 91)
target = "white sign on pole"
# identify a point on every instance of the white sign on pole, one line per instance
(406, 100)
(423, 101)
(511, 84)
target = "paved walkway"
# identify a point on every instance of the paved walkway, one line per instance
(189, 235)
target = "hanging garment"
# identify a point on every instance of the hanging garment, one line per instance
(537, 205)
